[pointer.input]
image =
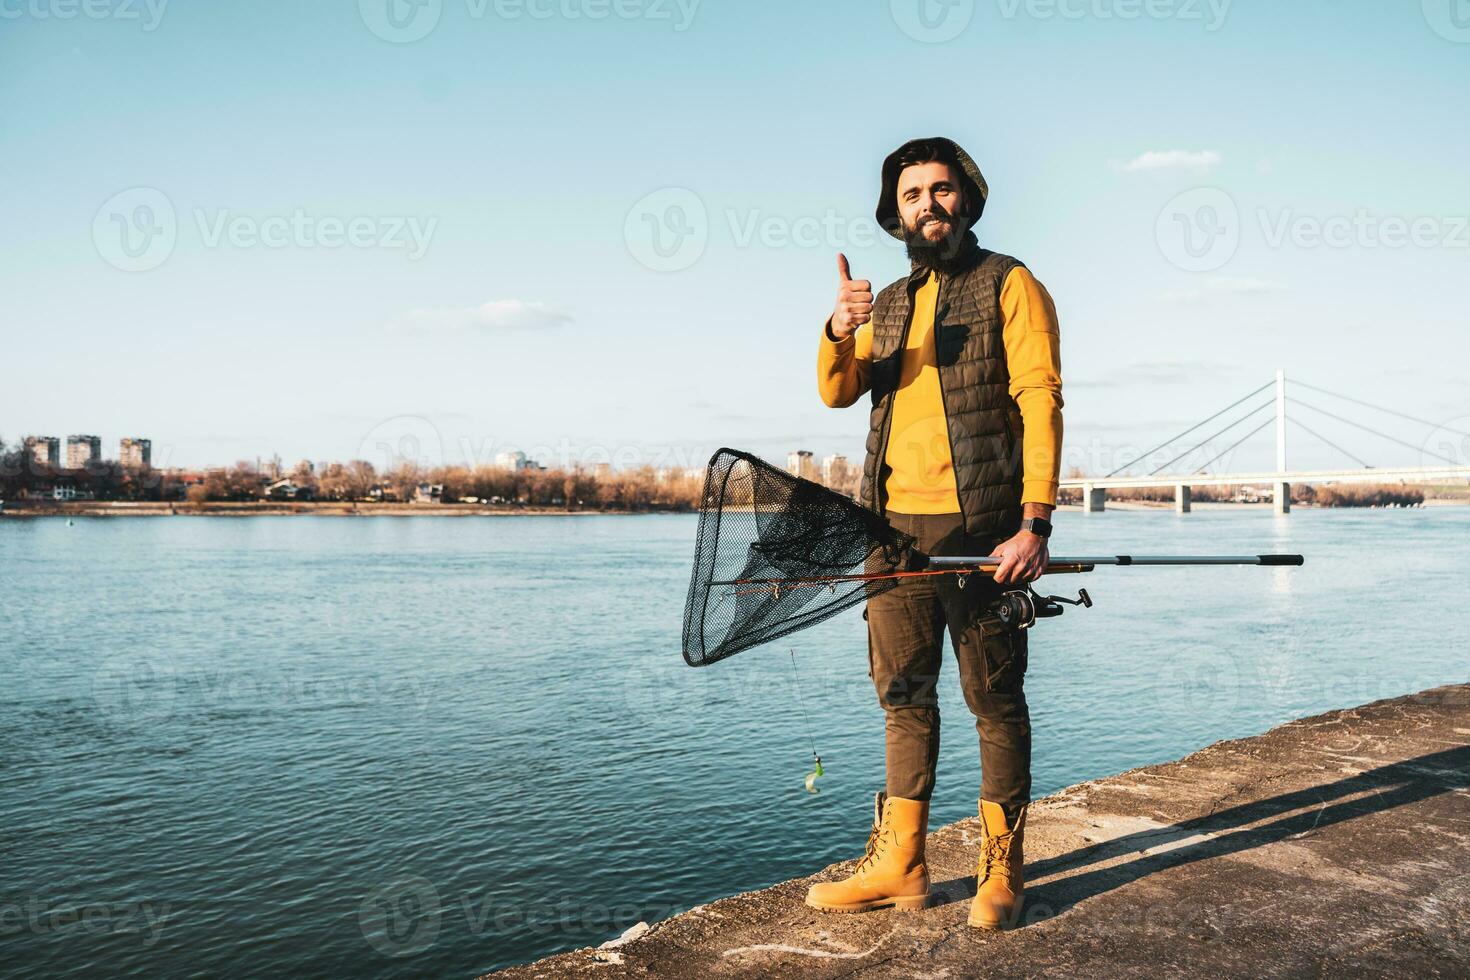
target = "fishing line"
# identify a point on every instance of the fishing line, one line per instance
(811, 778)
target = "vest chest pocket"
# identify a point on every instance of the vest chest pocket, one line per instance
(884, 375)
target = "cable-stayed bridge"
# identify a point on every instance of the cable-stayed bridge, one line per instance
(1439, 466)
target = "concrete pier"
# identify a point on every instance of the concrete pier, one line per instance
(1094, 499)
(1182, 499)
(1281, 497)
(1334, 845)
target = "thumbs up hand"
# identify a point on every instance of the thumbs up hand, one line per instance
(854, 302)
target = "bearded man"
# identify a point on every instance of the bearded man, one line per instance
(963, 364)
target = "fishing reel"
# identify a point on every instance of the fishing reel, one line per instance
(1019, 609)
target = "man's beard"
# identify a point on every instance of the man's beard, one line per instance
(949, 254)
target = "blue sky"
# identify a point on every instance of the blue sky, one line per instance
(344, 229)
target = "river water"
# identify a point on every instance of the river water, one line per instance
(436, 746)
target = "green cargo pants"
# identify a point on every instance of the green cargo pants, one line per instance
(906, 628)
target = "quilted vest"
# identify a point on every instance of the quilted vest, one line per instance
(984, 422)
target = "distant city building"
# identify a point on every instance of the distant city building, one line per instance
(428, 493)
(135, 453)
(834, 470)
(801, 463)
(44, 450)
(82, 451)
(602, 471)
(515, 461)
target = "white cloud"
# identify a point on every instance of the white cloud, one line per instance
(1221, 286)
(498, 314)
(1155, 161)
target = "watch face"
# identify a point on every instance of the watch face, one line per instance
(1037, 525)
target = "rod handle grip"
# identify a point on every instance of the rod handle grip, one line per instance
(1282, 559)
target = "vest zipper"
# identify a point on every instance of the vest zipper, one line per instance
(881, 484)
(954, 472)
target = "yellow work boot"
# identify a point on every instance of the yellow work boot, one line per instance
(999, 888)
(892, 872)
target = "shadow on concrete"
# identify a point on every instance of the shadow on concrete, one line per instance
(1229, 831)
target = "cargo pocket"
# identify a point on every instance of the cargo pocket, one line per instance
(1003, 651)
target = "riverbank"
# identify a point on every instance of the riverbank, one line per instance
(1331, 845)
(282, 508)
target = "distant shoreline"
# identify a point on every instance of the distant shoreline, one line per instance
(276, 508)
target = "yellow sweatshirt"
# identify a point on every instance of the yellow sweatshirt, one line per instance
(920, 469)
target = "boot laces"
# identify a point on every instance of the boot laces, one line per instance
(995, 853)
(874, 851)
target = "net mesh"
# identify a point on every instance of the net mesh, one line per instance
(758, 523)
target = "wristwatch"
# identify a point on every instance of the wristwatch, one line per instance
(1037, 525)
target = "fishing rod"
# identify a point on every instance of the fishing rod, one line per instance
(1015, 608)
(961, 565)
(775, 553)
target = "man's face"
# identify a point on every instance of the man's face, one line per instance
(929, 198)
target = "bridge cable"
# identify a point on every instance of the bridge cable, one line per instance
(1380, 408)
(1382, 435)
(1363, 463)
(1206, 440)
(1187, 431)
(1236, 445)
